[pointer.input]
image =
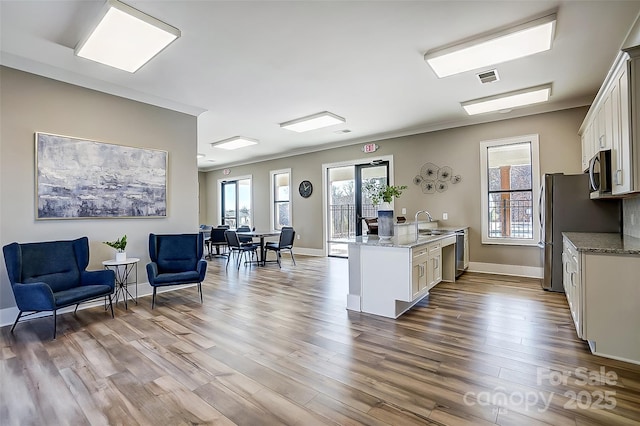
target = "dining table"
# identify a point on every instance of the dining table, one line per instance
(261, 235)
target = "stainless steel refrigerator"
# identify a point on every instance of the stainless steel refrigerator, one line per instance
(565, 206)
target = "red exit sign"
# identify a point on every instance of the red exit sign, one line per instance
(370, 147)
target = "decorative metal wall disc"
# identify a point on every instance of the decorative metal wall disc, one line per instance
(456, 179)
(417, 180)
(429, 171)
(444, 174)
(428, 186)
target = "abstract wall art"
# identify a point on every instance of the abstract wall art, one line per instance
(78, 178)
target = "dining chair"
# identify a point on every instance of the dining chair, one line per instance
(243, 239)
(236, 248)
(287, 236)
(218, 241)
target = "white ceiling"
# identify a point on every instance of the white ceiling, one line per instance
(244, 67)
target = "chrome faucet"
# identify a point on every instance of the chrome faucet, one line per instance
(416, 219)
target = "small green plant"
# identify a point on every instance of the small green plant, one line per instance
(379, 192)
(119, 244)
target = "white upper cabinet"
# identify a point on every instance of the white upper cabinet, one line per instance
(612, 118)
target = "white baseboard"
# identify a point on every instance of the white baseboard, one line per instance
(8, 315)
(499, 269)
(353, 302)
(308, 251)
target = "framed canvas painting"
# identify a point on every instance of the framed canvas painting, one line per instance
(79, 178)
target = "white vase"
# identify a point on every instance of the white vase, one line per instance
(121, 256)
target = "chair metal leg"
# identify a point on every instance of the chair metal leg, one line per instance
(55, 320)
(228, 259)
(279, 258)
(153, 300)
(200, 291)
(292, 258)
(16, 321)
(111, 306)
(76, 309)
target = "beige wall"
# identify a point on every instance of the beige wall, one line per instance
(560, 151)
(31, 103)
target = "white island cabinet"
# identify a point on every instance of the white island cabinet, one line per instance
(388, 278)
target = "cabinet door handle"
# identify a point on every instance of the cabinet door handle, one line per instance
(619, 177)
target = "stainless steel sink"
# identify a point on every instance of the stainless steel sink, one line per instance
(434, 232)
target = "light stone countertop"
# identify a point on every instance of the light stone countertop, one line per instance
(406, 241)
(601, 242)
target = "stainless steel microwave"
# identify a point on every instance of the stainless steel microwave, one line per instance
(600, 174)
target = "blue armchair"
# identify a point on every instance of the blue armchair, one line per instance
(48, 276)
(176, 259)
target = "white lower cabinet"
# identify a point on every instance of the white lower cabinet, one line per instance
(603, 291)
(434, 268)
(419, 262)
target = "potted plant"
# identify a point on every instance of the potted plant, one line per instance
(385, 193)
(378, 192)
(119, 244)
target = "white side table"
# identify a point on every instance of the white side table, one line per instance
(124, 277)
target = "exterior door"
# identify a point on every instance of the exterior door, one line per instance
(377, 171)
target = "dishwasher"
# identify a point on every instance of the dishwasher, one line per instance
(459, 253)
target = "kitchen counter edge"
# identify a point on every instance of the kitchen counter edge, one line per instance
(600, 242)
(406, 241)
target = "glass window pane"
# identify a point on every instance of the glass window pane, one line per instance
(509, 167)
(282, 216)
(244, 202)
(281, 186)
(229, 204)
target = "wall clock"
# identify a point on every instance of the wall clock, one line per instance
(305, 189)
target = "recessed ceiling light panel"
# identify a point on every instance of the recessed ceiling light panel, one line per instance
(235, 142)
(516, 42)
(509, 100)
(312, 122)
(126, 38)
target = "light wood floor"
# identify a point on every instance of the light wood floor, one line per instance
(272, 346)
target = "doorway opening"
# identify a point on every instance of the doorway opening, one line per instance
(347, 202)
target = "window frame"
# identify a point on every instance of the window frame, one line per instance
(273, 201)
(533, 139)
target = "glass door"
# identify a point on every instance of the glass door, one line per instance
(377, 171)
(348, 205)
(236, 203)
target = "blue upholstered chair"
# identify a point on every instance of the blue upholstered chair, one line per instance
(48, 276)
(176, 259)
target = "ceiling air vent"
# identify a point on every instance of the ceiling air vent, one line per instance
(488, 76)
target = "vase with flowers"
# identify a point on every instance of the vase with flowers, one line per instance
(382, 193)
(120, 245)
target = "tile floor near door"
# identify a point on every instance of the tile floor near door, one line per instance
(277, 346)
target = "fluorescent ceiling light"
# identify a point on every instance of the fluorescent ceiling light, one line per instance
(234, 143)
(509, 100)
(312, 122)
(126, 38)
(516, 42)
(200, 155)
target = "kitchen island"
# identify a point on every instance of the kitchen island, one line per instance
(388, 277)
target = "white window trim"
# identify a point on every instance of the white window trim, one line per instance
(272, 199)
(219, 191)
(535, 183)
